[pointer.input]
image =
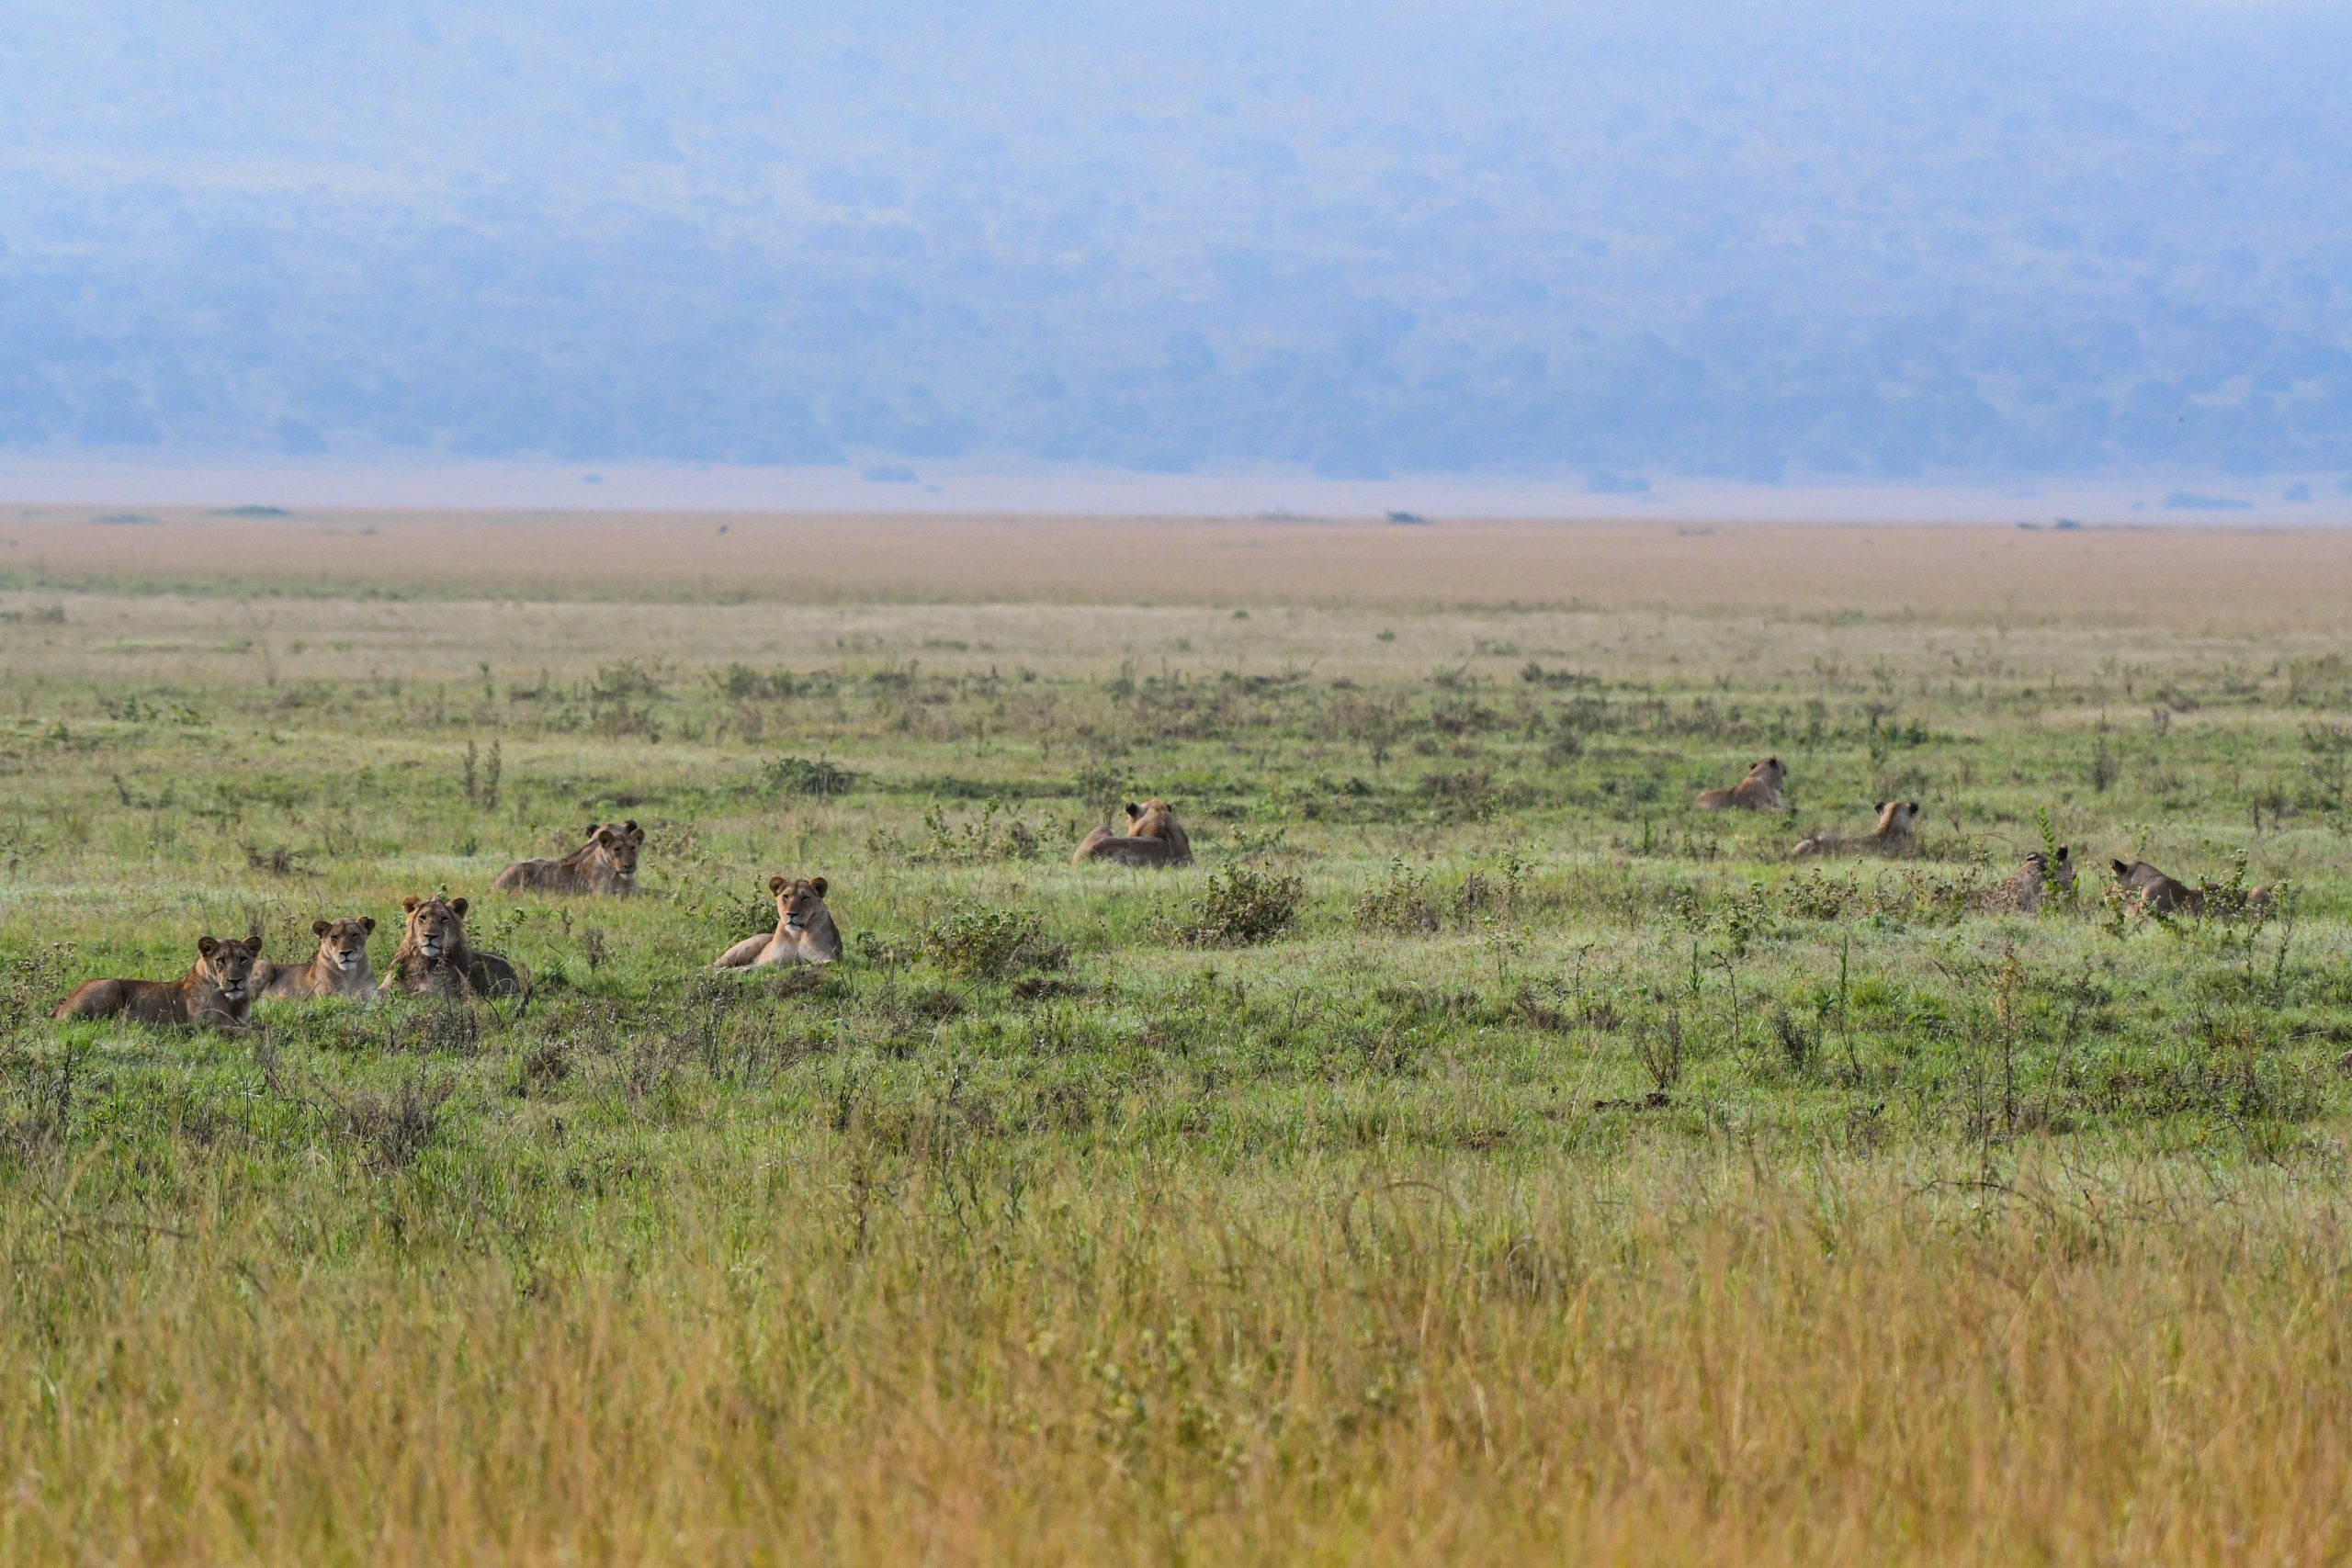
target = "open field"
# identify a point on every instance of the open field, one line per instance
(2236, 580)
(1478, 1154)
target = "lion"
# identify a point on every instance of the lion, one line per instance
(340, 967)
(433, 957)
(216, 991)
(804, 932)
(1154, 837)
(605, 864)
(2023, 893)
(1893, 836)
(1759, 791)
(2162, 895)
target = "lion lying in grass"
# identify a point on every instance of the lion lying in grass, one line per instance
(1154, 837)
(1893, 835)
(216, 991)
(1759, 791)
(804, 932)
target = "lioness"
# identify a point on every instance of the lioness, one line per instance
(1759, 791)
(340, 967)
(1893, 836)
(2025, 891)
(1154, 837)
(605, 864)
(2163, 895)
(433, 955)
(804, 932)
(216, 991)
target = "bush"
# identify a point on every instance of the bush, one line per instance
(1401, 902)
(989, 944)
(805, 777)
(1243, 905)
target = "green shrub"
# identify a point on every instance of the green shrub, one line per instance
(805, 777)
(989, 944)
(1243, 905)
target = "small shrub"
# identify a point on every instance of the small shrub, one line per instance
(1243, 905)
(392, 1126)
(814, 778)
(989, 944)
(1400, 902)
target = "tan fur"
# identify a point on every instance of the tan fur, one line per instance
(216, 991)
(1759, 791)
(2163, 895)
(804, 932)
(605, 864)
(1154, 837)
(434, 956)
(2023, 893)
(339, 968)
(1893, 835)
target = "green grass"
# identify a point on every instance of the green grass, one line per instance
(1519, 968)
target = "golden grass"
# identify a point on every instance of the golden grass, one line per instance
(1708, 1363)
(2199, 578)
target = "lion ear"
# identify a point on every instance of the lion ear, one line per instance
(207, 945)
(368, 923)
(456, 906)
(2062, 850)
(1880, 805)
(1134, 810)
(629, 829)
(410, 903)
(775, 884)
(320, 928)
(1916, 809)
(2121, 869)
(817, 883)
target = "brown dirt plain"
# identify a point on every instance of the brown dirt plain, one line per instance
(2217, 578)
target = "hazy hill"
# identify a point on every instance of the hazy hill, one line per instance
(1885, 239)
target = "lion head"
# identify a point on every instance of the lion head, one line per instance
(1771, 773)
(228, 967)
(437, 927)
(1896, 818)
(799, 900)
(345, 942)
(1152, 819)
(616, 844)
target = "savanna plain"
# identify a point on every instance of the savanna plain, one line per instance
(1477, 1154)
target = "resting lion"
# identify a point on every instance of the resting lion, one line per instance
(2024, 892)
(434, 958)
(1893, 836)
(2163, 895)
(340, 967)
(217, 991)
(605, 864)
(1154, 837)
(804, 932)
(1759, 791)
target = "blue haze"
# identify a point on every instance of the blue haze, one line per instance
(1752, 241)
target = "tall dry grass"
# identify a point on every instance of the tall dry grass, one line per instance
(887, 1358)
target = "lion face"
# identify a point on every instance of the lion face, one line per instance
(797, 901)
(618, 843)
(345, 941)
(435, 926)
(1896, 817)
(228, 967)
(1769, 773)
